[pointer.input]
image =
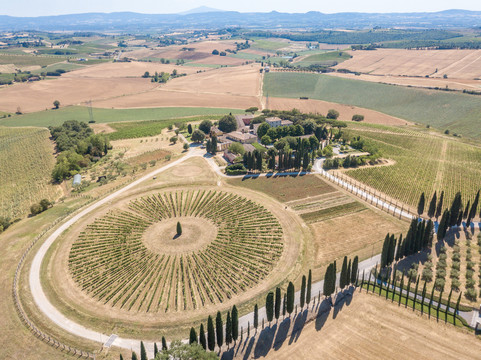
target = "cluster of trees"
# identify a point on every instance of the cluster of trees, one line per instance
(43, 205)
(5, 222)
(452, 216)
(348, 276)
(78, 146)
(347, 162)
(211, 144)
(419, 237)
(177, 350)
(252, 160)
(216, 52)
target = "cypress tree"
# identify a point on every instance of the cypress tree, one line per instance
(156, 350)
(439, 303)
(466, 210)
(270, 306)
(473, 210)
(343, 277)
(399, 254)
(394, 286)
(448, 305)
(164, 343)
(431, 301)
(401, 289)
(392, 249)
(134, 356)
(121, 357)
(309, 288)
(443, 225)
(143, 353)
(439, 208)
(327, 281)
(228, 330)
(432, 206)
(421, 204)
(354, 269)
(192, 336)
(384, 253)
(388, 286)
(235, 323)
(455, 209)
(179, 228)
(419, 235)
(219, 329)
(428, 234)
(423, 297)
(348, 274)
(202, 340)
(416, 294)
(460, 218)
(290, 298)
(256, 316)
(457, 308)
(210, 334)
(189, 129)
(277, 306)
(303, 291)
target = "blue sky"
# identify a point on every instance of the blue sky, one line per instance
(55, 7)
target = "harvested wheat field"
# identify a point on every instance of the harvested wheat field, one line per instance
(322, 107)
(128, 69)
(237, 87)
(370, 327)
(40, 95)
(455, 84)
(456, 64)
(200, 53)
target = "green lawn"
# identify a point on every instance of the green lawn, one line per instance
(457, 112)
(57, 117)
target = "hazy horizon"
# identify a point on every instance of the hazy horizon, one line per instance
(33, 8)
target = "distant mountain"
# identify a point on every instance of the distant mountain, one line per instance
(135, 22)
(200, 10)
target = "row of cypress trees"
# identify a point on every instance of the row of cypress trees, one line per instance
(348, 276)
(419, 237)
(456, 212)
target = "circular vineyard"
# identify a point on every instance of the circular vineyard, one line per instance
(134, 259)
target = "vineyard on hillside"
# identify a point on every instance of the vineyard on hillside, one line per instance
(26, 164)
(424, 163)
(111, 262)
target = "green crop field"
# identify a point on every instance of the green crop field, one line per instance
(29, 60)
(325, 58)
(457, 112)
(423, 163)
(62, 66)
(247, 56)
(263, 44)
(136, 129)
(80, 113)
(26, 164)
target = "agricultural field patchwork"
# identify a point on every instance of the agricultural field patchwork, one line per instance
(26, 158)
(457, 112)
(135, 259)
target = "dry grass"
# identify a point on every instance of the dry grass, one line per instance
(456, 64)
(237, 87)
(346, 111)
(286, 188)
(373, 328)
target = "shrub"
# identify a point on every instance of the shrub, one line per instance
(441, 273)
(442, 250)
(454, 274)
(439, 284)
(332, 114)
(470, 265)
(357, 117)
(412, 274)
(470, 283)
(441, 264)
(456, 257)
(470, 294)
(455, 284)
(456, 265)
(442, 257)
(427, 275)
(469, 274)
(35, 209)
(236, 169)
